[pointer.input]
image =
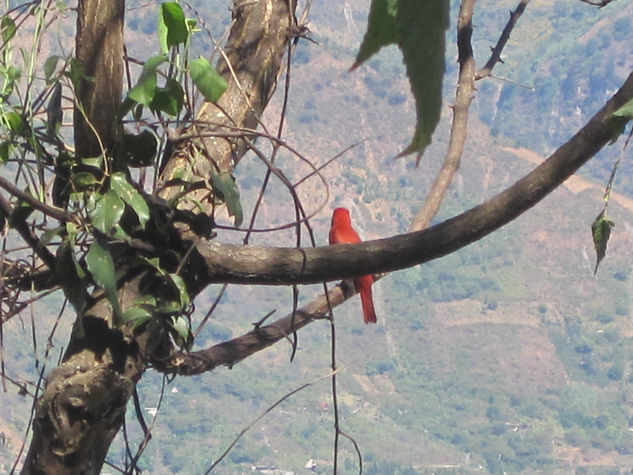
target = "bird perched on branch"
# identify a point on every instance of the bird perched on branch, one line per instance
(343, 233)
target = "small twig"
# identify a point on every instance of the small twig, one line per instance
(210, 311)
(52, 211)
(600, 4)
(263, 414)
(495, 57)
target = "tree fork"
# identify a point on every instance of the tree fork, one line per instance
(83, 404)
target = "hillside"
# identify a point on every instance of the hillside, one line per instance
(505, 356)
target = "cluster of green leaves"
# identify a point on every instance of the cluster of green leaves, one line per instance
(106, 206)
(175, 31)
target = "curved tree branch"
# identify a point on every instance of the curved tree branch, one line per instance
(282, 266)
(386, 254)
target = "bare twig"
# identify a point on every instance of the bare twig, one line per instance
(495, 57)
(600, 4)
(262, 415)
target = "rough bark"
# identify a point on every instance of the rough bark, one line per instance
(83, 404)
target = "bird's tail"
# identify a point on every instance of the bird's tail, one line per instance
(366, 299)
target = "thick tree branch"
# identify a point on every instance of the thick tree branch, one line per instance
(421, 246)
(282, 266)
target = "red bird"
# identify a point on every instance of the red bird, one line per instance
(342, 233)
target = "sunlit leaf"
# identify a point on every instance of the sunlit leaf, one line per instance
(224, 184)
(145, 88)
(76, 73)
(101, 267)
(130, 195)
(626, 111)
(206, 79)
(182, 289)
(182, 332)
(106, 211)
(423, 44)
(84, 180)
(172, 26)
(7, 28)
(14, 121)
(136, 316)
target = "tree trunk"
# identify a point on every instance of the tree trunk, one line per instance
(83, 404)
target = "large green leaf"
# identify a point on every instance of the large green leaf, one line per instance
(382, 29)
(206, 79)
(129, 194)
(423, 43)
(105, 211)
(172, 26)
(418, 28)
(224, 184)
(145, 88)
(101, 267)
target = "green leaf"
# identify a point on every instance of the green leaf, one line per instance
(101, 267)
(7, 28)
(169, 99)
(601, 231)
(14, 121)
(182, 289)
(418, 28)
(145, 88)
(54, 112)
(106, 211)
(423, 44)
(129, 194)
(70, 274)
(382, 29)
(5, 149)
(224, 185)
(136, 316)
(206, 79)
(172, 26)
(83, 181)
(140, 149)
(626, 111)
(182, 332)
(50, 65)
(94, 162)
